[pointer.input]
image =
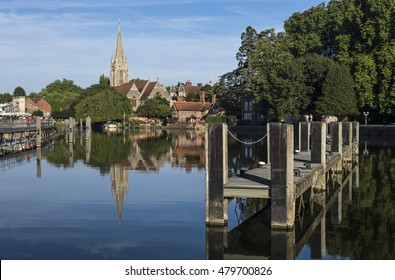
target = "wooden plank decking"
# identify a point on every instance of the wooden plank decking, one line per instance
(255, 183)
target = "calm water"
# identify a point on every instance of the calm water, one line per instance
(142, 196)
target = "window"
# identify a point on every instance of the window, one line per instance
(250, 105)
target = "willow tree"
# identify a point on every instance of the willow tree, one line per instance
(104, 106)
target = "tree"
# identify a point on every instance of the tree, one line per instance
(358, 34)
(19, 91)
(192, 97)
(62, 95)
(104, 106)
(104, 80)
(156, 107)
(5, 97)
(38, 113)
(338, 97)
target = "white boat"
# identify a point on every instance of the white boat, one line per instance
(111, 125)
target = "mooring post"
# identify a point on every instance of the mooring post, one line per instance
(347, 134)
(268, 142)
(88, 124)
(355, 137)
(39, 135)
(71, 130)
(297, 136)
(336, 134)
(282, 184)
(216, 153)
(318, 142)
(305, 136)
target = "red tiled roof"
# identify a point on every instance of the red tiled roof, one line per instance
(192, 106)
(141, 84)
(148, 90)
(124, 88)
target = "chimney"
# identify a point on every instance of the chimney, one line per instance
(202, 96)
(199, 85)
(188, 83)
(213, 99)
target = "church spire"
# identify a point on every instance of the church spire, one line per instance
(119, 72)
(119, 49)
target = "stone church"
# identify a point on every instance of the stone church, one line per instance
(138, 92)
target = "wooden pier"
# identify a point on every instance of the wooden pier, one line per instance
(20, 138)
(322, 176)
(289, 175)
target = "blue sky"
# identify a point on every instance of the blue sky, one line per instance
(173, 40)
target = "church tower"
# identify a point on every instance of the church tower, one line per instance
(119, 73)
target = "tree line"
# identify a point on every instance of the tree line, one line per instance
(332, 59)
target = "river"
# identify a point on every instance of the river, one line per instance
(141, 195)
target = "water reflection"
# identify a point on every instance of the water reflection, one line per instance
(140, 195)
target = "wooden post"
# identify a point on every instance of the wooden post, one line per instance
(355, 132)
(71, 130)
(268, 142)
(305, 136)
(318, 142)
(39, 135)
(216, 153)
(336, 133)
(297, 136)
(347, 134)
(282, 184)
(88, 124)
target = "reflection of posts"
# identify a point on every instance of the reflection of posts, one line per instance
(71, 151)
(216, 153)
(282, 191)
(38, 155)
(88, 137)
(216, 238)
(318, 240)
(282, 247)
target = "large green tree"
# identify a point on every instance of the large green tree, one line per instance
(156, 107)
(356, 33)
(61, 95)
(104, 106)
(338, 97)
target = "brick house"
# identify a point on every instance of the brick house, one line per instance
(182, 111)
(39, 104)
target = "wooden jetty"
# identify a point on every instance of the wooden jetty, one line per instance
(15, 139)
(321, 174)
(290, 174)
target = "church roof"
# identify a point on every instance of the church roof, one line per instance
(124, 88)
(148, 91)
